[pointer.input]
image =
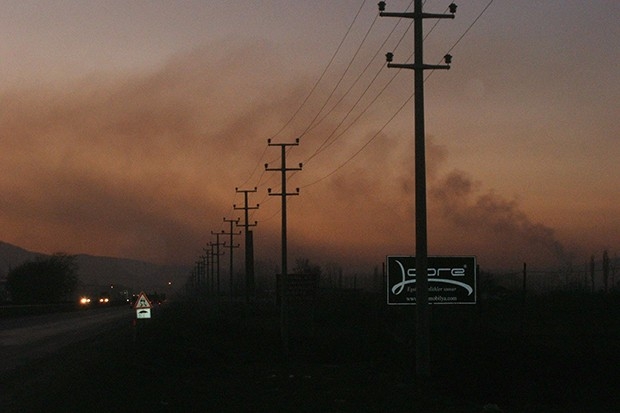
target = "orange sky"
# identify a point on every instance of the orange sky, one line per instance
(127, 126)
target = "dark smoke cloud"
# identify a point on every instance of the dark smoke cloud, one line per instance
(498, 231)
(137, 165)
(145, 166)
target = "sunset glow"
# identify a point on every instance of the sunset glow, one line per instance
(126, 127)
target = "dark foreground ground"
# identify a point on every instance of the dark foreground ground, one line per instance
(356, 356)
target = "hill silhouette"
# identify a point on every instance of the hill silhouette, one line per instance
(96, 271)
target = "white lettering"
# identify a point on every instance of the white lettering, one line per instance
(408, 277)
(436, 272)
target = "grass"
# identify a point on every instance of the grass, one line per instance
(352, 355)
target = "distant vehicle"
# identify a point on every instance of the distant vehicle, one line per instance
(84, 301)
(104, 298)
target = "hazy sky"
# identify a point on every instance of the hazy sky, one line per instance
(125, 127)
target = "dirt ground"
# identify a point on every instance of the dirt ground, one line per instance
(350, 355)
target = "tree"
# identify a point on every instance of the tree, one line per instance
(43, 280)
(332, 271)
(304, 266)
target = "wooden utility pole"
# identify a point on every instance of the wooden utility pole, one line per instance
(283, 169)
(216, 258)
(423, 363)
(524, 302)
(230, 247)
(209, 271)
(249, 243)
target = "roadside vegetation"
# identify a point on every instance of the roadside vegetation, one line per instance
(45, 280)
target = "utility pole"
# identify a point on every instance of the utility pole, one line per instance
(216, 258)
(230, 247)
(209, 271)
(423, 362)
(284, 272)
(249, 243)
(196, 277)
(204, 280)
(199, 271)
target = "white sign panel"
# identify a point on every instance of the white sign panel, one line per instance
(143, 313)
(451, 280)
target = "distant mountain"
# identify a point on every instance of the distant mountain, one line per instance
(12, 256)
(94, 271)
(133, 274)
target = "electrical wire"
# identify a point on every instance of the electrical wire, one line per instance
(303, 103)
(324, 145)
(341, 77)
(312, 90)
(465, 32)
(312, 123)
(363, 146)
(399, 109)
(379, 50)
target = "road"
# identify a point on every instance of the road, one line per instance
(24, 339)
(195, 356)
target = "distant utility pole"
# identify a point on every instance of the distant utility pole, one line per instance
(230, 246)
(423, 363)
(204, 280)
(199, 272)
(249, 243)
(284, 271)
(196, 275)
(209, 272)
(216, 257)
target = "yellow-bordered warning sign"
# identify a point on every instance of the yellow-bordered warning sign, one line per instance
(142, 302)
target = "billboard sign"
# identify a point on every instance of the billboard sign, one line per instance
(451, 280)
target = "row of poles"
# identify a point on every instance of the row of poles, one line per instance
(206, 271)
(423, 363)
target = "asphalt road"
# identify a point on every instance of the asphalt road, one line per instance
(24, 339)
(225, 358)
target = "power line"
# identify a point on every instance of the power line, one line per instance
(465, 32)
(341, 78)
(333, 137)
(312, 90)
(325, 145)
(470, 26)
(324, 71)
(310, 126)
(322, 145)
(365, 145)
(255, 167)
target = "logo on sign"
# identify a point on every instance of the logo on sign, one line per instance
(451, 280)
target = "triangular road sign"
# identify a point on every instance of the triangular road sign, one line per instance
(142, 302)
